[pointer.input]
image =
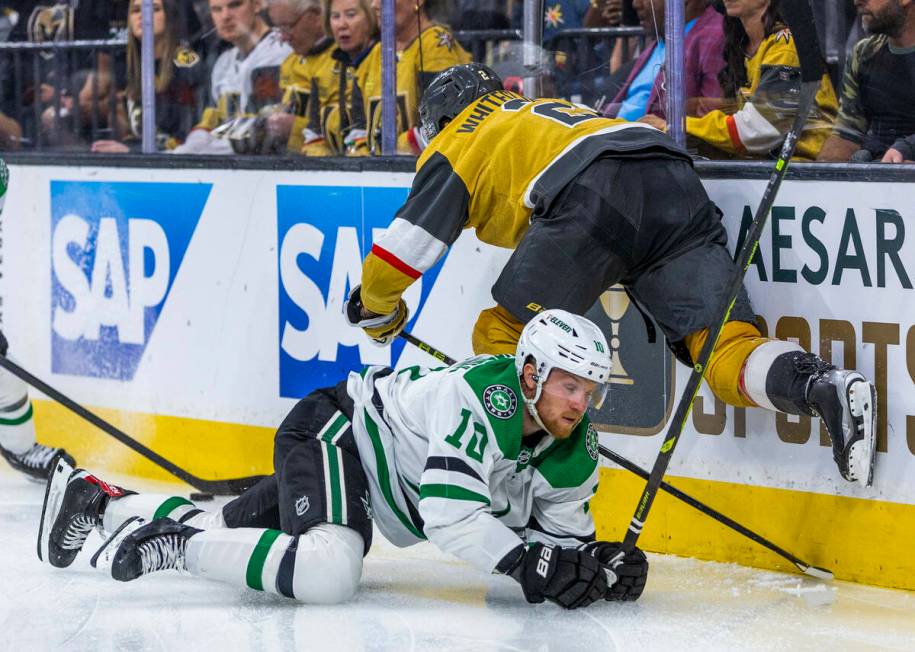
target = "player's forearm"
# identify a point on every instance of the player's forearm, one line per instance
(837, 149)
(474, 535)
(382, 284)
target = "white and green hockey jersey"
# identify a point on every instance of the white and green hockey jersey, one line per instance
(444, 456)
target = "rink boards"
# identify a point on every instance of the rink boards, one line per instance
(192, 307)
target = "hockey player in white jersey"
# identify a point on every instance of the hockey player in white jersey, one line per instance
(17, 427)
(493, 460)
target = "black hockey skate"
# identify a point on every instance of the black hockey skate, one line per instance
(847, 403)
(139, 548)
(74, 502)
(36, 462)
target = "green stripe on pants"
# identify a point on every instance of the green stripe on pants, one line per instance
(253, 576)
(333, 471)
(170, 505)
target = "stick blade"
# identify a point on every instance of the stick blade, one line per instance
(817, 572)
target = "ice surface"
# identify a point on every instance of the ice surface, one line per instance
(420, 599)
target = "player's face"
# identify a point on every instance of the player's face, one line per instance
(349, 25)
(300, 29)
(135, 19)
(745, 8)
(564, 401)
(234, 19)
(881, 16)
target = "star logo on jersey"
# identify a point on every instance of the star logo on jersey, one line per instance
(500, 401)
(553, 16)
(302, 505)
(591, 442)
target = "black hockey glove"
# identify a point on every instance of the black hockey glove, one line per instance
(631, 572)
(570, 578)
(381, 329)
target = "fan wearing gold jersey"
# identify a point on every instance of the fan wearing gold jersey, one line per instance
(354, 28)
(306, 73)
(587, 202)
(424, 49)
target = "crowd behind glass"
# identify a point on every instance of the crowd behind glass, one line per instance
(303, 77)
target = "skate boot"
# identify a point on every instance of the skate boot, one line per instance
(847, 403)
(139, 548)
(74, 503)
(36, 462)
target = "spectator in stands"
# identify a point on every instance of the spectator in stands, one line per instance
(355, 30)
(424, 49)
(762, 78)
(180, 80)
(641, 92)
(300, 24)
(877, 115)
(244, 79)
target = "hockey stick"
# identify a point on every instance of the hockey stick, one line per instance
(228, 487)
(804, 567)
(798, 15)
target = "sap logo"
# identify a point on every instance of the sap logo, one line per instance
(115, 251)
(324, 233)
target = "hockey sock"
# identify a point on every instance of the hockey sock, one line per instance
(737, 342)
(776, 376)
(153, 506)
(496, 331)
(17, 428)
(321, 566)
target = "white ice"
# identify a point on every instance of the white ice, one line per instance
(420, 599)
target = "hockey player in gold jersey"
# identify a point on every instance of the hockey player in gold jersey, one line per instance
(587, 202)
(424, 49)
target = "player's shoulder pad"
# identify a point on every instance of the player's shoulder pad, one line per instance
(571, 462)
(185, 57)
(494, 383)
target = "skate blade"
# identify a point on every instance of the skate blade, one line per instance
(53, 494)
(863, 454)
(104, 556)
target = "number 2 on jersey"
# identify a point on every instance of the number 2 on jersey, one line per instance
(478, 439)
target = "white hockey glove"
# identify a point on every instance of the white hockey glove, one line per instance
(381, 329)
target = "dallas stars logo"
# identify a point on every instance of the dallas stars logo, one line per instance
(591, 442)
(500, 401)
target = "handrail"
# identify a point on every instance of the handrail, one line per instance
(61, 45)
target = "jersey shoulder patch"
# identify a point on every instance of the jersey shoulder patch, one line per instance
(494, 383)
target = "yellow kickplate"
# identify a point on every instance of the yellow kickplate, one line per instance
(859, 540)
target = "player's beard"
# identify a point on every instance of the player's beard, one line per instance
(890, 21)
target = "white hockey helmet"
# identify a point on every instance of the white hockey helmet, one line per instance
(557, 339)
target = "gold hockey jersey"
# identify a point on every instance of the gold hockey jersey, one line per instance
(433, 51)
(300, 78)
(765, 109)
(499, 163)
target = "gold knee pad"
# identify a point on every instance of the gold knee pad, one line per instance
(496, 332)
(737, 341)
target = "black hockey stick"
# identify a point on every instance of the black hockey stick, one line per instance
(632, 467)
(228, 487)
(804, 567)
(798, 15)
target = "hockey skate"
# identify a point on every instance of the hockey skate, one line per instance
(74, 502)
(36, 462)
(139, 548)
(847, 403)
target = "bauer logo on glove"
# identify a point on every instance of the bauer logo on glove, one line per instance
(381, 329)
